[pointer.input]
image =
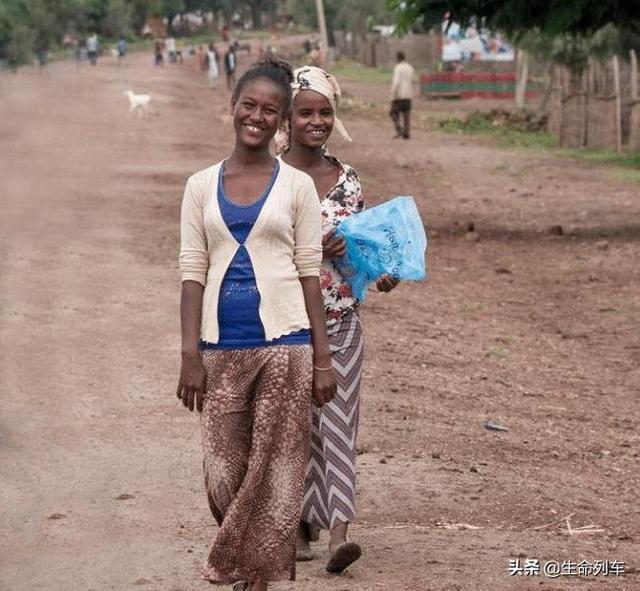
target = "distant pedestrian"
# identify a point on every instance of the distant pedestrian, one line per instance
(202, 59)
(401, 95)
(216, 53)
(76, 47)
(93, 47)
(159, 47)
(314, 56)
(212, 70)
(42, 54)
(230, 64)
(170, 46)
(307, 46)
(271, 51)
(122, 49)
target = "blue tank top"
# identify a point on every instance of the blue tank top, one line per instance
(239, 299)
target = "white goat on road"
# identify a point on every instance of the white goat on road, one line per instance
(138, 102)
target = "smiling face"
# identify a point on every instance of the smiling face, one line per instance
(311, 119)
(258, 112)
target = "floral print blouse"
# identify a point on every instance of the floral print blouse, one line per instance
(339, 203)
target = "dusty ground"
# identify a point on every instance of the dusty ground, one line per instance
(539, 332)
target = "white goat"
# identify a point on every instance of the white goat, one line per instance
(138, 102)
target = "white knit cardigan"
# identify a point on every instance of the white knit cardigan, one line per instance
(284, 244)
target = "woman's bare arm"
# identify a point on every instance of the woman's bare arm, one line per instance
(193, 377)
(324, 379)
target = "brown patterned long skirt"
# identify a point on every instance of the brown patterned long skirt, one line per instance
(255, 432)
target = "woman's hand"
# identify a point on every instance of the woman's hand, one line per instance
(386, 283)
(325, 386)
(193, 381)
(333, 247)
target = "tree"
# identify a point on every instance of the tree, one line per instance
(358, 16)
(26, 25)
(95, 12)
(257, 8)
(346, 15)
(516, 17)
(170, 9)
(16, 39)
(141, 10)
(119, 19)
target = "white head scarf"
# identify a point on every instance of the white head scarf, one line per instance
(313, 78)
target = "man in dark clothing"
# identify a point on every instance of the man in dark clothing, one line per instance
(230, 64)
(122, 49)
(401, 95)
(159, 47)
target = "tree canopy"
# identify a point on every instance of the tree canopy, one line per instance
(347, 15)
(27, 25)
(516, 17)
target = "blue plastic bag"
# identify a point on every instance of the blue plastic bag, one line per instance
(388, 238)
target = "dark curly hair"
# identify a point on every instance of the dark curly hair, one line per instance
(278, 71)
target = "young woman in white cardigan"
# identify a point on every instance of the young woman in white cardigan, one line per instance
(254, 340)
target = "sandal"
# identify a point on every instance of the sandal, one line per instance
(303, 551)
(343, 557)
(304, 554)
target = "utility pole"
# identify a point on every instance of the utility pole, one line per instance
(323, 28)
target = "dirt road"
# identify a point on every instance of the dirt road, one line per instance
(100, 467)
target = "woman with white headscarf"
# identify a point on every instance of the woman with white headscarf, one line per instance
(329, 499)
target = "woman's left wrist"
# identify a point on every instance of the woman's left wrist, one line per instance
(322, 360)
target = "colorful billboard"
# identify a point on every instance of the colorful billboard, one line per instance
(473, 43)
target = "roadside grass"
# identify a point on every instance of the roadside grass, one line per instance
(630, 160)
(508, 136)
(627, 176)
(625, 167)
(345, 68)
(498, 352)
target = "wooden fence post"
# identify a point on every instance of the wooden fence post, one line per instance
(634, 75)
(585, 105)
(618, 97)
(634, 136)
(522, 74)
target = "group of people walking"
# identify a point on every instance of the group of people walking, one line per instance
(90, 49)
(209, 62)
(272, 343)
(174, 49)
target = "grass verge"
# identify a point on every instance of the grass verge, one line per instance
(625, 167)
(345, 68)
(506, 135)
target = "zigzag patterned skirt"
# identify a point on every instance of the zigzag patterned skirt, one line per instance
(329, 495)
